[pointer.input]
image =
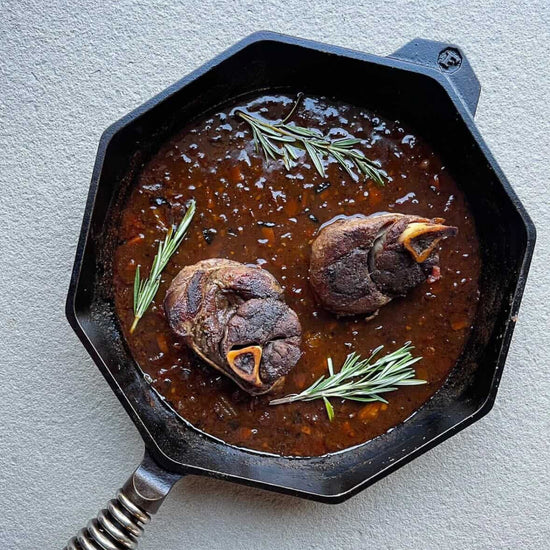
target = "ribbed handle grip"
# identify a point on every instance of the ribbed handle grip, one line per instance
(116, 527)
(121, 523)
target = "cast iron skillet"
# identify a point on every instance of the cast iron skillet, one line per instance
(432, 87)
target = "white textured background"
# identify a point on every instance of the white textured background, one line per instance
(69, 69)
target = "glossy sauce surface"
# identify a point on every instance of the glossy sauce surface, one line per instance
(255, 211)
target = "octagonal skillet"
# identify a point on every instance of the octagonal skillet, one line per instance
(432, 87)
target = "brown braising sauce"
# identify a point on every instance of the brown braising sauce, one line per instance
(255, 211)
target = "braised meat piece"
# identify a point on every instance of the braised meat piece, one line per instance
(233, 316)
(360, 264)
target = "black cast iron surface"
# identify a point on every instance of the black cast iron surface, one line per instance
(431, 86)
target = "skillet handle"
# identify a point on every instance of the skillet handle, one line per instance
(450, 61)
(118, 526)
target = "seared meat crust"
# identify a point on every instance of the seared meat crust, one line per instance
(360, 264)
(233, 316)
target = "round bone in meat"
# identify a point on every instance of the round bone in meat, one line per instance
(233, 316)
(359, 264)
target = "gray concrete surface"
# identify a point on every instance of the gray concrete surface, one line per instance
(69, 69)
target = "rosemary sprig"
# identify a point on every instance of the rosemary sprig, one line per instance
(361, 379)
(146, 289)
(282, 140)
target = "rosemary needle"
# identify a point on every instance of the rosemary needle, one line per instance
(146, 289)
(361, 379)
(283, 140)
